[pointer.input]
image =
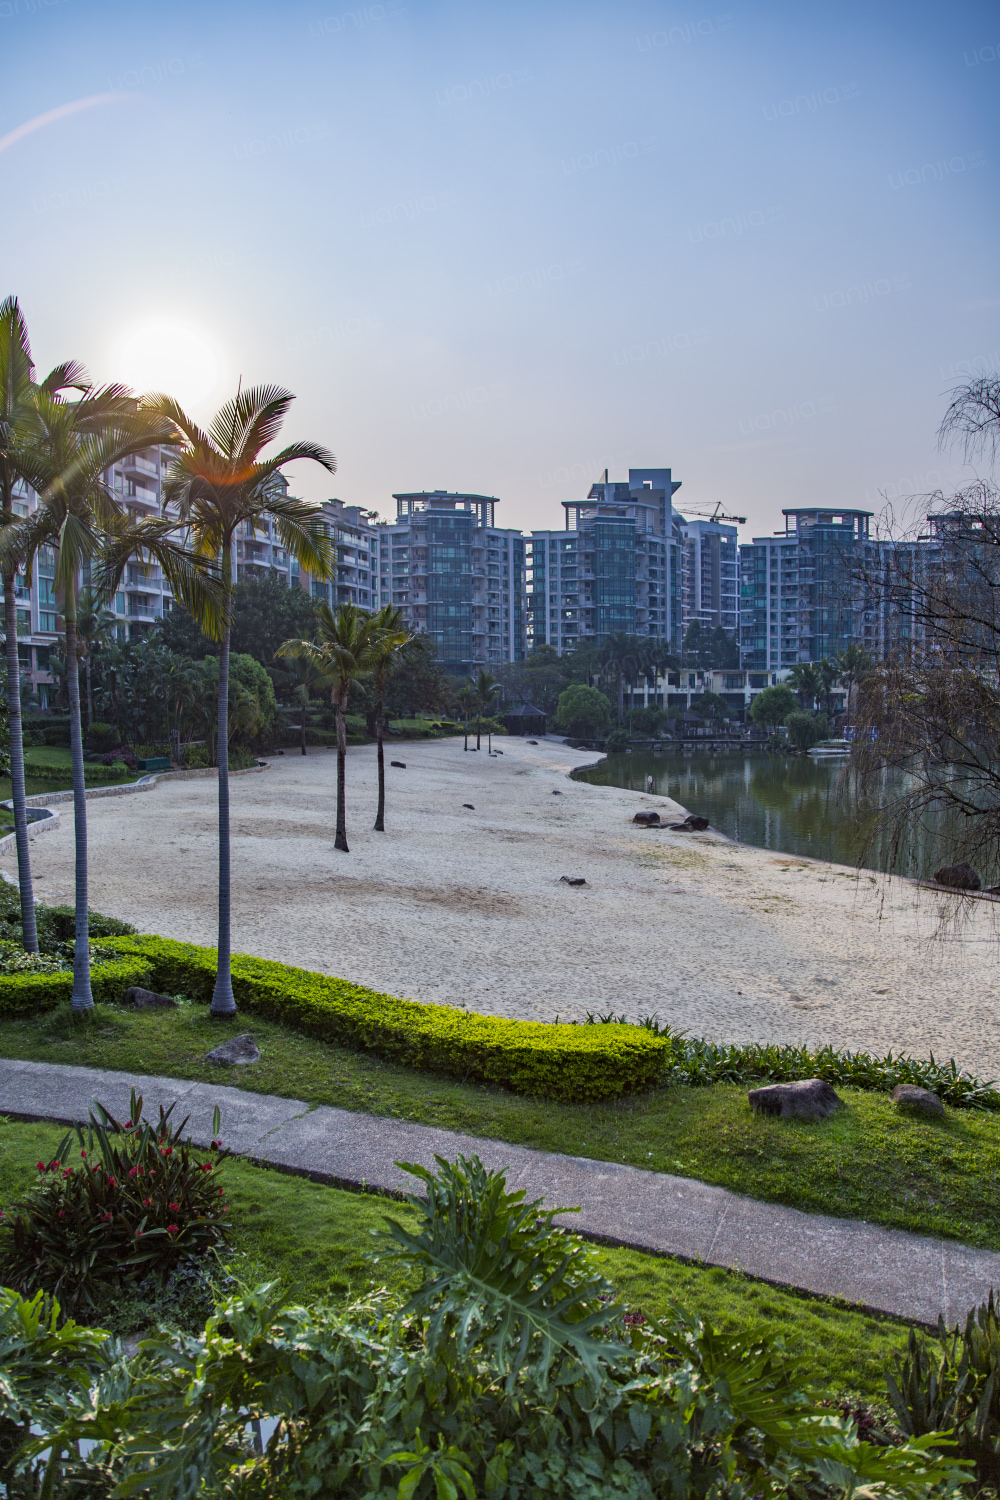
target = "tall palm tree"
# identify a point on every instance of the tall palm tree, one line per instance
(854, 664)
(304, 678)
(804, 680)
(389, 641)
(486, 689)
(95, 624)
(64, 454)
(17, 383)
(341, 649)
(219, 482)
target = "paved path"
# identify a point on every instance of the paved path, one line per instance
(886, 1270)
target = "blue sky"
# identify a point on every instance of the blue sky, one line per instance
(500, 246)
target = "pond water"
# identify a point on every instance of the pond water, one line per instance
(795, 804)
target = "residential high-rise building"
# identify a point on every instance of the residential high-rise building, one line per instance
(615, 567)
(457, 577)
(710, 575)
(355, 538)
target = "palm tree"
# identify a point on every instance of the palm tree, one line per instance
(17, 377)
(341, 650)
(854, 664)
(620, 657)
(220, 483)
(804, 680)
(304, 678)
(387, 647)
(466, 698)
(64, 454)
(95, 624)
(486, 689)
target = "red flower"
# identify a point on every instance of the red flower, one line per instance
(42, 1167)
(128, 1124)
(172, 1229)
(107, 1218)
(111, 1182)
(138, 1234)
(206, 1166)
(55, 1164)
(221, 1190)
(62, 1213)
(174, 1206)
(166, 1150)
(83, 1154)
(147, 1202)
(67, 1172)
(133, 1171)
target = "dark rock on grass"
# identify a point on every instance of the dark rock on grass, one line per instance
(140, 999)
(805, 1099)
(648, 819)
(241, 1050)
(693, 823)
(469, 806)
(400, 763)
(961, 877)
(572, 879)
(909, 1096)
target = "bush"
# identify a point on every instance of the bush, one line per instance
(527, 1057)
(583, 710)
(26, 994)
(102, 736)
(804, 731)
(196, 757)
(773, 706)
(617, 742)
(138, 1202)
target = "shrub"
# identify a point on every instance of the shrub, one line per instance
(583, 710)
(528, 1057)
(139, 1201)
(195, 757)
(804, 730)
(102, 736)
(617, 742)
(773, 706)
(26, 994)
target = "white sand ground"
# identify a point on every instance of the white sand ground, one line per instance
(467, 907)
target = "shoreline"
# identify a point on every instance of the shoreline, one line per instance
(466, 906)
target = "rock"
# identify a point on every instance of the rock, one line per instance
(242, 1049)
(532, 742)
(911, 1096)
(805, 1099)
(572, 879)
(140, 999)
(498, 752)
(469, 806)
(961, 876)
(646, 818)
(693, 823)
(400, 763)
(555, 793)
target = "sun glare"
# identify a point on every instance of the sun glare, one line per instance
(165, 354)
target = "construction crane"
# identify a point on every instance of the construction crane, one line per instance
(718, 514)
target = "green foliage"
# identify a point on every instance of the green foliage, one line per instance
(528, 1057)
(773, 706)
(709, 649)
(138, 1202)
(806, 730)
(953, 1386)
(617, 742)
(56, 924)
(652, 722)
(584, 710)
(195, 757)
(23, 994)
(711, 706)
(378, 1402)
(247, 673)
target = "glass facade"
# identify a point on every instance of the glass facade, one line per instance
(449, 592)
(613, 589)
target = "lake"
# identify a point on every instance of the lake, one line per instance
(794, 804)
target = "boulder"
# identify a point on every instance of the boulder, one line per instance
(140, 999)
(532, 742)
(911, 1096)
(572, 879)
(961, 876)
(469, 806)
(241, 1050)
(693, 823)
(401, 764)
(646, 818)
(805, 1099)
(555, 793)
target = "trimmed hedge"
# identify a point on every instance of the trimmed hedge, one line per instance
(571, 1063)
(25, 994)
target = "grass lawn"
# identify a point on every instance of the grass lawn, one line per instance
(50, 762)
(318, 1240)
(866, 1162)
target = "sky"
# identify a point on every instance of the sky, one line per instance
(500, 247)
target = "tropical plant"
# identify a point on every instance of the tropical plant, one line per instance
(466, 700)
(95, 624)
(387, 648)
(806, 730)
(853, 665)
(711, 706)
(302, 678)
(17, 385)
(138, 1201)
(220, 483)
(773, 706)
(341, 650)
(486, 689)
(65, 451)
(805, 680)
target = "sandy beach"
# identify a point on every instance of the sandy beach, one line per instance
(466, 906)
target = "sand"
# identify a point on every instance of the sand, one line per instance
(466, 906)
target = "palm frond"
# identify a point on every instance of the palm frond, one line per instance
(247, 423)
(70, 375)
(305, 449)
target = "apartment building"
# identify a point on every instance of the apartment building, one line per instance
(614, 567)
(456, 576)
(710, 575)
(355, 539)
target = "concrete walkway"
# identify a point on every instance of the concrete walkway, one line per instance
(886, 1270)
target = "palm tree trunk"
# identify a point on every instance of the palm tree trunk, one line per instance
(82, 998)
(479, 727)
(90, 695)
(223, 1003)
(621, 697)
(380, 814)
(302, 727)
(466, 745)
(29, 932)
(340, 842)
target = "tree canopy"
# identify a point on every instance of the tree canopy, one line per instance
(584, 710)
(773, 706)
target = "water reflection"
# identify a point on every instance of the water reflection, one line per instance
(798, 805)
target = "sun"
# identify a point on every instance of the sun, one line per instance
(164, 353)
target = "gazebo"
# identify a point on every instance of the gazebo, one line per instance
(524, 718)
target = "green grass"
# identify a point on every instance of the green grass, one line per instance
(318, 1241)
(50, 762)
(867, 1162)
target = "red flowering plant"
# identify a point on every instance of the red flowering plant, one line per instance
(117, 1202)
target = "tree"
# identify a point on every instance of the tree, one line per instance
(341, 650)
(711, 706)
(67, 449)
(486, 689)
(853, 665)
(416, 684)
(466, 699)
(17, 383)
(806, 730)
(805, 680)
(389, 642)
(303, 678)
(219, 482)
(773, 706)
(95, 624)
(709, 650)
(265, 613)
(584, 711)
(972, 420)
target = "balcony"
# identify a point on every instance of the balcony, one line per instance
(140, 465)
